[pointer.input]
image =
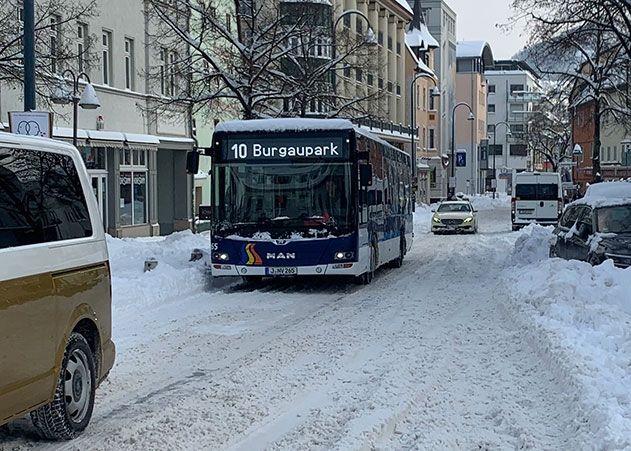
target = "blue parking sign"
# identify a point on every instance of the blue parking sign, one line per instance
(461, 159)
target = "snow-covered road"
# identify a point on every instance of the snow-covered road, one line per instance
(428, 357)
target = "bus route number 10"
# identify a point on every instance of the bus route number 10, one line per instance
(240, 151)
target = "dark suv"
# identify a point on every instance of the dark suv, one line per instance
(594, 232)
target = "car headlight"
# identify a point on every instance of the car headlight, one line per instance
(436, 218)
(468, 220)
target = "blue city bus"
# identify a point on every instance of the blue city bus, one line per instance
(317, 197)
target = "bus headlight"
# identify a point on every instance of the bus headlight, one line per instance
(344, 255)
(221, 256)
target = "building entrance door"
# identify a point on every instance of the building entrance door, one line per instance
(99, 186)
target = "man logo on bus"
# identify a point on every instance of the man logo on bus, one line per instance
(253, 257)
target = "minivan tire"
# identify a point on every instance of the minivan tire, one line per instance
(57, 420)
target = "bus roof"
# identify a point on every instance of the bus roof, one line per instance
(284, 125)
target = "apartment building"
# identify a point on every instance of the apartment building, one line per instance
(441, 23)
(136, 157)
(473, 59)
(514, 92)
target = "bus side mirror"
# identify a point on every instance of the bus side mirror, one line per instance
(365, 175)
(192, 162)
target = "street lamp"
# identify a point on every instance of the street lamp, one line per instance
(452, 190)
(87, 101)
(508, 134)
(576, 152)
(435, 93)
(371, 39)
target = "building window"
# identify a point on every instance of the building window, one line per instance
(389, 42)
(398, 48)
(491, 89)
(496, 149)
(390, 86)
(54, 42)
(173, 59)
(359, 25)
(347, 71)
(490, 129)
(347, 21)
(491, 108)
(398, 89)
(432, 100)
(519, 150)
(82, 45)
(359, 75)
(164, 70)
(516, 89)
(380, 83)
(106, 54)
(129, 64)
(517, 128)
(432, 138)
(229, 23)
(380, 38)
(370, 79)
(133, 186)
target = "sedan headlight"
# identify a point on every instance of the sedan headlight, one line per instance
(468, 220)
(436, 218)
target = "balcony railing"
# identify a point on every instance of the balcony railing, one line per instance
(385, 126)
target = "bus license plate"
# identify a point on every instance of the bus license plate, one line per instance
(282, 271)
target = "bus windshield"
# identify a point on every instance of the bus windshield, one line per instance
(283, 199)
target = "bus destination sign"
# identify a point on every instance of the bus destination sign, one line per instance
(285, 149)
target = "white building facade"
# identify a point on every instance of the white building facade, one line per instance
(513, 94)
(136, 156)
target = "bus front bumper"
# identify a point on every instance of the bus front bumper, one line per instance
(335, 269)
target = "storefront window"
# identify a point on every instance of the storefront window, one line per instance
(133, 187)
(94, 157)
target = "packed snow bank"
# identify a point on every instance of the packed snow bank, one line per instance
(174, 276)
(581, 316)
(486, 202)
(422, 219)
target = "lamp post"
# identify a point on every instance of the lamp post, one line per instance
(508, 133)
(371, 39)
(576, 152)
(435, 93)
(87, 101)
(452, 190)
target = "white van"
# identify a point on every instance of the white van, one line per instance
(537, 198)
(55, 290)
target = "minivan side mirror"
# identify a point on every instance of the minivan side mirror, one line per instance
(192, 162)
(584, 230)
(365, 175)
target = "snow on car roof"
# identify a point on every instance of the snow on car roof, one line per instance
(284, 125)
(609, 189)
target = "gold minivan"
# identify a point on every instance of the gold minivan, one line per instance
(55, 288)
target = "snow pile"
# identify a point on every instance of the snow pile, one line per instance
(174, 276)
(422, 219)
(533, 245)
(485, 202)
(581, 320)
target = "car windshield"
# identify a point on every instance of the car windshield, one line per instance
(614, 219)
(454, 208)
(291, 198)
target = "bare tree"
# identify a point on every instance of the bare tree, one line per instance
(270, 61)
(549, 132)
(56, 40)
(579, 44)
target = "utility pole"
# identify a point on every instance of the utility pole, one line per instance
(29, 55)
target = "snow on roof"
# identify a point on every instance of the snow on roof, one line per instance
(421, 38)
(283, 125)
(470, 49)
(607, 194)
(420, 65)
(404, 4)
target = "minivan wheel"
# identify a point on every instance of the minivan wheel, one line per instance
(71, 409)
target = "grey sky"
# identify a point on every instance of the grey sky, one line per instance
(477, 20)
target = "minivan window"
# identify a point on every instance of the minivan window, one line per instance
(41, 199)
(547, 191)
(569, 217)
(614, 219)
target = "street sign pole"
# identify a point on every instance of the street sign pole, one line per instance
(29, 55)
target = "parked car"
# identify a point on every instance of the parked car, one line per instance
(455, 216)
(55, 291)
(537, 198)
(595, 229)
